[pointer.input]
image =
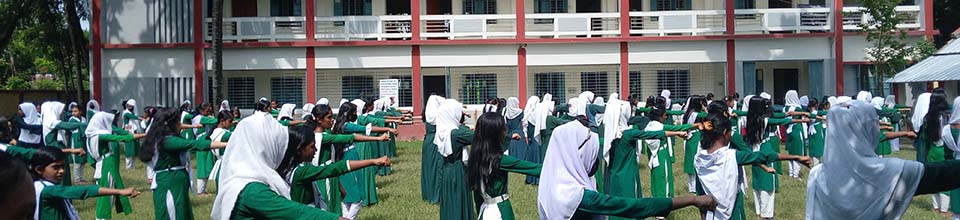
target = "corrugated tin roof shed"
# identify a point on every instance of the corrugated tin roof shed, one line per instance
(941, 66)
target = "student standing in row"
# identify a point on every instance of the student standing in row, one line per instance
(103, 144)
(487, 168)
(53, 198)
(431, 159)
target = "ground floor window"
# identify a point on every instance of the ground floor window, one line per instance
(241, 92)
(287, 89)
(552, 82)
(356, 87)
(595, 82)
(677, 81)
(476, 88)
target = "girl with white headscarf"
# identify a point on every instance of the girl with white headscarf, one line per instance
(172, 190)
(452, 138)
(931, 137)
(661, 156)
(893, 109)
(306, 115)
(54, 134)
(513, 116)
(431, 159)
(487, 168)
(950, 134)
(369, 151)
(567, 190)
(760, 128)
(883, 148)
(205, 122)
(103, 147)
(250, 185)
(323, 101)
(285, 116)
(92, 107)
(694, 112)
(545, 124)
(30, 124)
(131, 123)
(718, 167)
(533, 144)
(864, 96)
(224, 106)
(920, 109)
(884, 186)
(77, 140)
(796, 133)
(620, 149)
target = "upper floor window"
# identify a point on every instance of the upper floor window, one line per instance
(282, 8)
(352, 7)
(479, 6)
(671, 5)
(551, 6)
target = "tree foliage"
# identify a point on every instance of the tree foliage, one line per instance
(44, 37)
(891, 51)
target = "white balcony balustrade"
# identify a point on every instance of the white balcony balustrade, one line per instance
(383, 27)
(477, 26)
(259, 29)
(664, 23)
(569, 25)
(909, 17)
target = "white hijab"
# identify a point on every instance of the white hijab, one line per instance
(360, 104)
(853, 182)
(134, 123)
(323, 101)
(920, 109)
(719, 174)
(307, 110)
(286, 110)
(432, 109)
(32, 117)
(765, 95)
(378, 105)
(256, 149)
(93, 105)
(599, 116)
(615, 115)
(877, 102)
(583, 100)
(513, 108)
(529, 109)
(832, 100)
(544, 110)
(100, 123)
(793, 103)
(566, 169)
(572, 107)
(224, 106)
(843, 99)
(864, 96)
(51, 112)
(745, 107)
(666, 95)
(448, 119)
(890, 101)
(343, 101)
(946, 136)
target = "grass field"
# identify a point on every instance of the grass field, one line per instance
(400, 194)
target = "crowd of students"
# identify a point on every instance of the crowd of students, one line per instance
(584, 156)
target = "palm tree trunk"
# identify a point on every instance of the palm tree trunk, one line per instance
(218, 49)
(78, 44)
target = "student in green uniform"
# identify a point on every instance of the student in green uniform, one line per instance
(358, 187)
(148, 113)
(285, 116)
(545, 124)
(694, 112)
(431, 159)
(920, 109)
(370, 150)
(883, 148)
(186, 121)
(567, 190)
(250, 185)
(452, 138)
(532, 151)
(819, 111)
(718, 166)
(103, 144)
(488, 166)
(326, 192)
(131, 123)
(930, 132)
(661, 150)
(892, 109)
(796, 133)
(171, 196)
(275, 108)
(206, 122)
(950, 134)
(54, 199)
(77, 141)
(222, 134)
(54, 134)
(757, 135)
(18, 196)
(30, 124)
(620, 149)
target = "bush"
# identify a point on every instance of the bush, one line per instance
(45, 84)
(16, 83)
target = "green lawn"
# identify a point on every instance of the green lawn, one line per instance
(400, 194)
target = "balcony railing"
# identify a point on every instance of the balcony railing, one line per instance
(663, 23)
(557, 25)
(909, 17)
(241, 29)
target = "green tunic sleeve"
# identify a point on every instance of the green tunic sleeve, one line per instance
(635, 134)
(285, 122)
(187, 119)
(598, 109)
(682, 127)
(746, 157)
(560, 108)
(70, 192)
(462, 135)
(257, 201)
(208, 120)
(177, 143)
(643, 109)
(19, 152)
(307, 173)
(779, 115)
(67, 125)
(115, 137)
(740, 113)
(337, 139)
(779, 121)
(512, 164)
(120, 131)
(226, 136)
(130, 116)
(674, 112)
(553, 122)
(596, 203)
(351, 128)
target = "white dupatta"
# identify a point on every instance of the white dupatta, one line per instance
(566, 171)
(718, 173)
(946, 136)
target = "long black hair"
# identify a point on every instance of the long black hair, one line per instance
(6, 135)
(299, 137)
(720, 126)
(932, 121)
(717, 108)
(759, 109)
(45, 155)
(813, 104)
(223, 116)
(696, 105)
(13, 173)
(658, 107)
(348, 113)
(317, 114)
(484, 163)
(165, 123)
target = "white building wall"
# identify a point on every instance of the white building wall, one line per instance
(362, 57)
(260, 58)
(573, 54)
(783, 49)
(132, 73)
(677, 52)
(468, 55)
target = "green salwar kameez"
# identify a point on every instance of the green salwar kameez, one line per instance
(456, 201)
(328, 188)
(257, 201)
(497, 191)
(205, 158)
(109, 149)
(171, 198)
(624, 178)
(51, 141)
(430, 166)
(54, 200)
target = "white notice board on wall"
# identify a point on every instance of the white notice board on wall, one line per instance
(390, 88)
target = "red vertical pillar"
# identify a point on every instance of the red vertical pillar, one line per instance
(522, 74)
(624, 49)
(731, 29)
(521, 21)
(96, 81)
(928, 19)
(838, 43)
(311, 61)
(198, 51)
(415, 75)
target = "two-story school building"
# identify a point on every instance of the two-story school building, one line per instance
(297, 51)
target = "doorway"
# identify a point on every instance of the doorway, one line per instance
(435, 85)
(438, 7)
(398, 7)
(244, 8)
(784, 80)
(588, 6)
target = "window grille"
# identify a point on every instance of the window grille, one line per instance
(476, 88)
(672, 5)
(171, 91)
(551, 6)
(595, 82)
(287, 89)
(350, 84)
(677, 81)
(634, 84)
(241, 92)
(480, 6)
(357, 87)
(283, 8)
(700, 79)
(406, 90)
(552, 82)
(354, 7)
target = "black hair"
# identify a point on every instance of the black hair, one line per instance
(223, 116)
(262, 105)
(484, 164)
(717, 108)
(657, 105)
(165, 123)
(501, 104)
(205, 107)
(44, 156)
(934, 117)
(813, 103)
(696, 105)
(317, 114)
(759, 108)
(185, 107)
(5, 132)
(123, 104)
(710, 96)
(235, 111)
(634, 100)
(299, 138)
(721, 125)
(368, 104)
(149, 111)
(117, 118)
(736, 95)
(14, 171)
(348, 113)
